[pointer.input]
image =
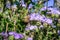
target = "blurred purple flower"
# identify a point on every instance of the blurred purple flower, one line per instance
(4, 34)
(44, 19)
(41, 18)
(43, 9)
(21, 35)
(57, 12)
(30, 6)
(31, 27)
(58, 32)
(24, 5)
(49, 12)
(14, 6)
(11, 33)
(54, 10)
(32, 16)
(16, 36)
(22, 1)
(8, 4)
(35, 16)
(50, 8)
(49, 21)
(38, 17)
(35, 1)
(29, 38)
(26, 28)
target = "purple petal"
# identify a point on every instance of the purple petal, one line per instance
(4, 34)
(16, 36)
(21, 35)
(29, 38)
(30, 6)
(11, 33)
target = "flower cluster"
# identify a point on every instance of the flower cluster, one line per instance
(51, 10)
(16, 35)
(28, 20)
(38, 17)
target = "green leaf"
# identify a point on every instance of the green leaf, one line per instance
(11, 37)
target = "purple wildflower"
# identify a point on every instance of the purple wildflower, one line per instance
(35, 16)
(50, 9)
(29, 38)
(24, 5)
(14, 6)
(16, 36)
(43, 9)
(32, 16)
(26, 28)
(49, 21)
(32, 27)
(11, 33)
(49, 12)
(41, 18)
(22, 1)
(8, 4)
(54, 11)
(58, 12)
(35, 1)
(30, 6)
(58, 32)
(44, 19)
(4, 34)
(21, 35)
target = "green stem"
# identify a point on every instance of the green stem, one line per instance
(14, 25)
(6, 27)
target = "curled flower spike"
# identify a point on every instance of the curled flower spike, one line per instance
(42, 18)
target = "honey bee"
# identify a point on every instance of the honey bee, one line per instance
(26, 19)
